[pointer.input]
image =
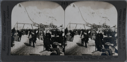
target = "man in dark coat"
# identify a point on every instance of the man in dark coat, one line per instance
(72, 34)
(34, 37)
(85, 39)
(47, 40)
(13, 30)
(20, 35)
(30, 37)
(66, 31)
(26, 32)
(98, 41)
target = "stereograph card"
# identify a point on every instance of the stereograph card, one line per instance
(63, 30)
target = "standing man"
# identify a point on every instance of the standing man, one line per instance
(20, 35)
(98, 41)
(47, 40)
(34, 37)
(30, 37)
(85, 39)
(66, 31)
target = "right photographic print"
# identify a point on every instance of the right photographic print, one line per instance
(91, 29)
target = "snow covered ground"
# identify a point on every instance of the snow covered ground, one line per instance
(73, 48)
(22, 47)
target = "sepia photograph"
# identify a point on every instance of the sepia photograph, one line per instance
(63, 30)
(91, 29)
(37, 28)
(85, 28)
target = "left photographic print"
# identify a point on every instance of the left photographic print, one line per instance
(37, 28)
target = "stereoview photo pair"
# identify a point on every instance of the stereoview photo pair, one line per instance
(84, 29)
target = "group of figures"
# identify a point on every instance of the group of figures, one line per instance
(56, 39)
(105, 40)
(53, 40)
(16, 35)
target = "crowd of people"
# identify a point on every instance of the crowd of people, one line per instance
(55, 39)
(105, 40)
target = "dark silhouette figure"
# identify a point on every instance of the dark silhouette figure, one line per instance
(98, 41)
(85, 39)
(34, 37)
(30, 37)
(20, 35)
(12, 36)
(66, 31)
(47, 40)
